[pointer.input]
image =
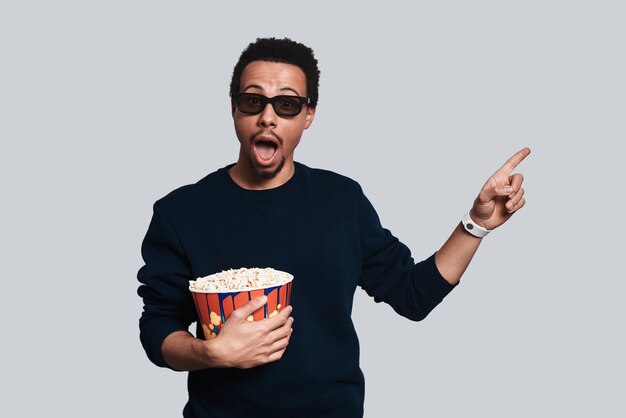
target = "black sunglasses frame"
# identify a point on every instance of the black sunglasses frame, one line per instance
(273, 100)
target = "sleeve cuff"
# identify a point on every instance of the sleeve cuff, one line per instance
(153, 336)
(436, 287)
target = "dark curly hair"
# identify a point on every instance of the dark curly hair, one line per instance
(280, 50)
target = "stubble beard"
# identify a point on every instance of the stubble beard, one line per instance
(264, 173)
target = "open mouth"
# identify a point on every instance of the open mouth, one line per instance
(265, 150)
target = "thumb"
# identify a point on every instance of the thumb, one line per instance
(251, 307)
(489, 193)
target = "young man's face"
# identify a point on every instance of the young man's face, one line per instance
(267, 139)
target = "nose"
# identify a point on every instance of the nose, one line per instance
(267, 118)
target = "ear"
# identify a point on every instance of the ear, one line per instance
(310, 115)
(232, 106)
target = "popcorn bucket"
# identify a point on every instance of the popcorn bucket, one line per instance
(214, 308)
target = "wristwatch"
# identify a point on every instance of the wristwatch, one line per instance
(472, 227)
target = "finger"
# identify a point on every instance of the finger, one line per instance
(276, 356)
(508, 167)
(514, 200)
(279, 320)
(250, 307)
(516, 181)
(519, 205)
(282, 332)
(281, 342)
(279, 345)
(491, 191)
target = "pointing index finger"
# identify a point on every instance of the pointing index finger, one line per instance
(513, 162)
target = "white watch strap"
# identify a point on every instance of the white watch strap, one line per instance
(473, 228)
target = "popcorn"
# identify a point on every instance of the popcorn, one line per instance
(240, 279)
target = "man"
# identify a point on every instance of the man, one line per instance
(269, 211)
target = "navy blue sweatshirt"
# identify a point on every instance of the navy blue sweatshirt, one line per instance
(320, 227)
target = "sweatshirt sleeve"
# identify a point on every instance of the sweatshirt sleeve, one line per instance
(389, 273)
(168, 304)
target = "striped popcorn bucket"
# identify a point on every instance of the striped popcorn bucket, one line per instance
(214, 308)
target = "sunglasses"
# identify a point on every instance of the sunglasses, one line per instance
(253, 104)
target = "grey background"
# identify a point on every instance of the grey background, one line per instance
(107, 106)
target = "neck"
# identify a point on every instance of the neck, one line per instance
(246, 177)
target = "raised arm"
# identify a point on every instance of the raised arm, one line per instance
(500, 197)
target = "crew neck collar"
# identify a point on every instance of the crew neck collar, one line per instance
(274, 191)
